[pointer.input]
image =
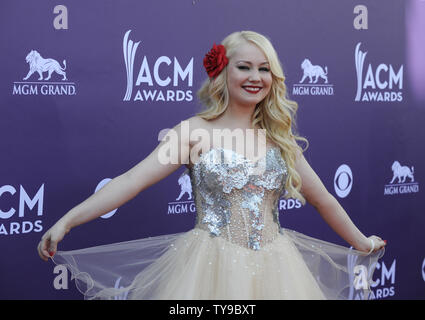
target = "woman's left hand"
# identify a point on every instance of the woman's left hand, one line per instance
(375, 244)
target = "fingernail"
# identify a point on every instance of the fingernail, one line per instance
(51, 253)
(385, 241)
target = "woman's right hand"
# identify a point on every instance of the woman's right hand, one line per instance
(155, 167)
(49, 241)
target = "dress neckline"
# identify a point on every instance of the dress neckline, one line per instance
(204, 154)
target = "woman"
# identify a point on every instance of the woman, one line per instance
(237, 249)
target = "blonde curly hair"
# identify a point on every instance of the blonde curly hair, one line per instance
(275, 113)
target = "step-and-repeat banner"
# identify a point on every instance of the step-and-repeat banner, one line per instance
(87, 86)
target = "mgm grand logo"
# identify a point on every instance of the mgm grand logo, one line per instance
(182, 206)
(317, 84)
(51, 81)
(403, 180)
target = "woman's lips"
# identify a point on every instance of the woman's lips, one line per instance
(252, 89)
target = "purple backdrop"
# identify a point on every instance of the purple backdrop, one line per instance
(61, 137)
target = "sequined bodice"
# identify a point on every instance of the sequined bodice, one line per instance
(236, 198)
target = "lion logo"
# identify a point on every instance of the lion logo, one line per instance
(185, 185)
(39, 64)
(401, 172)
(311, 71)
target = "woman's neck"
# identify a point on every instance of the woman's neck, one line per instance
(238, 117)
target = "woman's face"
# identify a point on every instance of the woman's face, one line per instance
(249, 78)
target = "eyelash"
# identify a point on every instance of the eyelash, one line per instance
(245, 67)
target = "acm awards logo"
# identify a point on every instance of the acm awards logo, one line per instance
(60, 282)
(22, 220)
(379, 84)
(364, 285)
(187, 205)
(403, 180)
(51, 81)
(317, 84)
(149, 84)
(288, 204)
(383, 280)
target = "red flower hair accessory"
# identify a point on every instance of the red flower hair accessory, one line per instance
(215, 60)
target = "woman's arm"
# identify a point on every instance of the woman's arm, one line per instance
(129, 184)
(121, 189)
(330, 210)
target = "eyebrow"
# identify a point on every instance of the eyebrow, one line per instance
(265, 62)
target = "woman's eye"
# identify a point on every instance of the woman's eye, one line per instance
(247, 68)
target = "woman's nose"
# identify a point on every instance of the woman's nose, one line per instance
(254, 76)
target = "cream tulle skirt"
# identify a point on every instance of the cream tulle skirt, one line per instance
(194, 265)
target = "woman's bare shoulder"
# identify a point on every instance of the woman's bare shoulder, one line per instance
(196, 122)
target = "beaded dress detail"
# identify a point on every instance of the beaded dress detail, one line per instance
(236, 198)
(236, 250)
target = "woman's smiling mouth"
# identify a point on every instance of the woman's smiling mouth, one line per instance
(252, 89)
